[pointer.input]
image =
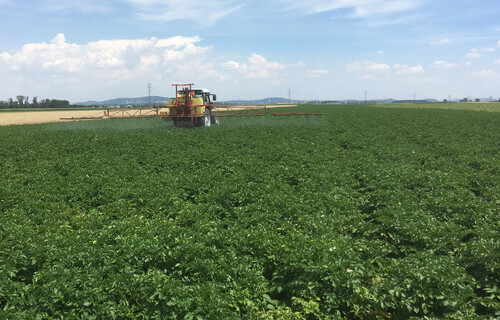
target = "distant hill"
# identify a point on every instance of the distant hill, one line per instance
(273, 100)
(156, 100)
(415, 101)
(141, 101)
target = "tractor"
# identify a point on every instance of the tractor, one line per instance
(190, 107)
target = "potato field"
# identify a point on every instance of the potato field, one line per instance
(363, 213)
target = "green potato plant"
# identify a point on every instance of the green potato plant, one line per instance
(363, 213)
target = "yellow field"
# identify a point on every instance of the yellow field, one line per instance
(10, 118)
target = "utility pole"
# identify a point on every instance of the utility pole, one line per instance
(149, 87)
(365, 96)
(289, 96)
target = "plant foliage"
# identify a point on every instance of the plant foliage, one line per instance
(365, 213)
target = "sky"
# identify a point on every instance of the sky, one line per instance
(81, 50)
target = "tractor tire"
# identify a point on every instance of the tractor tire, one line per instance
(214, 119)
(206, 120)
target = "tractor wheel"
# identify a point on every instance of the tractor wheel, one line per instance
(214, 119)
(206, 119)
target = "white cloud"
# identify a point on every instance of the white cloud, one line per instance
(473, 53)
(402, 69)
(318, 73)
(484, 73)
(150, 61)
(60, 68)
(176, 42)
(368, 66)
(442, 41)
(231, 65)
(257, 67)
(106, 63)
(373, 66)
(130, 56)
(476, 53)
(199, 11)
(5, 56)
(497, 61)
(444, 64)
(380, 52)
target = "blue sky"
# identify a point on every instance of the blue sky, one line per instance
(319, 49)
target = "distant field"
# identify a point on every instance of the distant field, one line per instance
(31, 117)
(367, 212)
(471, 106)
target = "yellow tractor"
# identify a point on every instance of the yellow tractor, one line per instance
(190, 107)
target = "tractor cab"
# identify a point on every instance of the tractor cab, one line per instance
(205, 94)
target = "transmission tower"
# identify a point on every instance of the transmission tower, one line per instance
(149, 87)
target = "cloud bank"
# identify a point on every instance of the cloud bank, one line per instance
(107, 58)
(105, 69)
(124, 62)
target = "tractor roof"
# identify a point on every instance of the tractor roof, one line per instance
(202, 90)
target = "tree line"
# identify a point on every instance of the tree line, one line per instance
(23, 102)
